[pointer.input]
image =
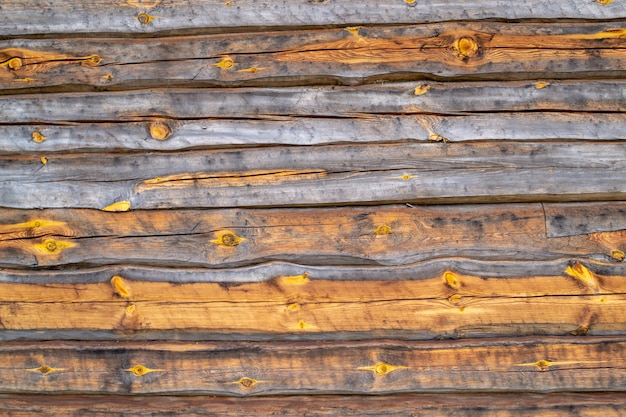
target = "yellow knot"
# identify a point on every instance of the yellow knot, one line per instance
(140, 370)
(227, 239)
(15, 63)
(145, 18)
(451, 279)
(160, 130)
(465, 48)
(421, 89)
(382, 230)
(381, 369)
(225, 63)
(120, 287)
(38, 137)
(618, 255)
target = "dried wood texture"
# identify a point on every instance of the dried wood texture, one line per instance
(458, 98)
(426, 405)
(150, 16)
(181, 134)
(351, 55)
(402, 172)
(552, 364)
(303, 306)
(392, 235)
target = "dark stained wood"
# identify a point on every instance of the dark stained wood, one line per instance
(392, 235)
(245, 369)
(355, 54)
(149, 16)
(609, 404)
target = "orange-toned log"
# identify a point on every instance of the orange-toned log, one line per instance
(305, 317)
(384, 235)
(246, 369)
(493, 50)
(609, 404)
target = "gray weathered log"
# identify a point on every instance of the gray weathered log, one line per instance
(294, 130)
(56, 16)
(460, 98)
(325, 175)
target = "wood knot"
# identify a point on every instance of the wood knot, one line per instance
(411, 3)
(145, 18)
(465, 48)
(604, 2)
(382, 230)
(160, 130)
(225, 63)
(618, 255)
(38, 137)
(227, 239)
(92, 60)
(15, 63)
(247, 382)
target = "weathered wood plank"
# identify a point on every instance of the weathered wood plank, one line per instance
(609, 216)
(553, 271)
(324, 175)
(450, 98)
(479, 50)
(149, 16)
(288, 130)
(244, 369)
(578, 301)
(425, 405)
(304, 319)
(383, 235)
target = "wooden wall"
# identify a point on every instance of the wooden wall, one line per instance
(283, 207)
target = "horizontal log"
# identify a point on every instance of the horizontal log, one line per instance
(344, 303)
(385, 236)
(244, 369)
(452, 98)
(426, 405)
(490, 50)
(302, 130)
(324, 175)
(150, 16)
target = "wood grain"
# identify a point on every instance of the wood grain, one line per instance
(303, 130)
(490, 50)
(579, 301)
(325, 175)
(451, 98)
(428, 405)
(243, 369)
(153, 16)
(387, 235)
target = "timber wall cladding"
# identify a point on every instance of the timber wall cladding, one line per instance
(283, 207)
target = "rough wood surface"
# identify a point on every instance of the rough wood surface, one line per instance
(244, 369)
(150, 16)
(301, 130)
(426, 405)
(325, 175)
(391, 235)
(578, 301)
(451, 98)
(353, 55)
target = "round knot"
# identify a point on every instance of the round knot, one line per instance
(160, 130)
(15, 63)
(466, 48)
(144, 18)
(51, 246)
(228, 239)
(382, 369)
